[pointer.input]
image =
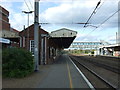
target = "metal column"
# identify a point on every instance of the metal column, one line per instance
(36, 35)
(119, 24)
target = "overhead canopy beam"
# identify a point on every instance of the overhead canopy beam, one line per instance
(62, 42)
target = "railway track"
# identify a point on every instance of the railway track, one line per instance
(97, 80)
(114, 68)
(108, 67)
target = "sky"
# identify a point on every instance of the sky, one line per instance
(65, 14)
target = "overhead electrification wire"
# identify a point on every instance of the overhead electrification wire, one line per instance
(104, 22)
(100, 5)
(92, 13)
(83, 30)
(109, 18)
(30, 4)
(98, 10)
(27, 5)
(62, 23)
(31, 7)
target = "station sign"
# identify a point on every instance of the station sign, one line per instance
(2, 40)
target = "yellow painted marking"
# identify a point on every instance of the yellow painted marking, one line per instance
(70, 79)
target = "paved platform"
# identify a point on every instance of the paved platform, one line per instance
(63, 74)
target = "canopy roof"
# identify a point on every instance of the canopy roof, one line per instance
(63, 37)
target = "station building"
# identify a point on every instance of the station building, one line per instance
(110, 50)
(6, 32)
(50, 44)
(63, 37)
(46, 46)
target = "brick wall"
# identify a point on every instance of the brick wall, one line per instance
(49, 48)
(4, 20)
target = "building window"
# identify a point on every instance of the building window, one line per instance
(32, 46)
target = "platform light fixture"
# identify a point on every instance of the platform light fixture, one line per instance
(29, 12)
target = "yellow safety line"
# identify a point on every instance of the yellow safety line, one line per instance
(70, 79)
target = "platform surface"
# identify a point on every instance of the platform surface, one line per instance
(63, 74)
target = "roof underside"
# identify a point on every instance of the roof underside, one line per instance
(116, 48)
(63, 42)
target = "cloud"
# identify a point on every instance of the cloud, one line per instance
(58, 14)
(16, 23)
(7, 5)
(27, 5)
(112, 39)
(83, 37)
(16, 18)
(80, 12)
(11, 0)
(92, 38)
(19, 20)
(66, 11)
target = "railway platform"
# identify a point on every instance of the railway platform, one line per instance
(63, 74)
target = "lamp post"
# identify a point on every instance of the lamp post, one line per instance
(28, 28)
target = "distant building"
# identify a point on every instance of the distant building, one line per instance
(111, 50)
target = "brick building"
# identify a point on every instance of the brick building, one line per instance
(49, 45)
(25, 39)
(47, 48)
(4, 20)
(6, 32)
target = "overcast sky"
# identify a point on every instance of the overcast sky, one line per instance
(65, 13)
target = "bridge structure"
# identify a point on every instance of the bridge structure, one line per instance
(85, 45)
